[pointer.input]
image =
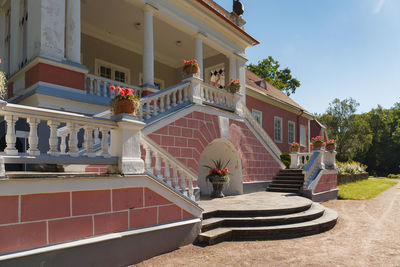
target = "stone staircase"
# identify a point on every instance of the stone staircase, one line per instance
(288, 181)
(269, 224)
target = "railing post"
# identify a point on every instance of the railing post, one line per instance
(125, 144)
(11, 138)
(294, 160)
(238, 103)
(330, 159)
(53, 139)
(196, 82)
(33, 138)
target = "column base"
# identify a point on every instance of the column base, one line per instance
(131, 166)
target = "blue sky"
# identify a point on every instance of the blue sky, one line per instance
(335, 48)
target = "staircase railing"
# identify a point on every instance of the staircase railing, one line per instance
(260, 130)
(96, 85)
(168, 169)
(219, 97)
(299, 160)
(164, 100)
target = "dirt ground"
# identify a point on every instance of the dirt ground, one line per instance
(367, 234)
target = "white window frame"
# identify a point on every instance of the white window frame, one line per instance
(303, 139)
(208, 69)
(281, 131)
(294, 132)
(156, 80)
(253, 110)
(99, 62)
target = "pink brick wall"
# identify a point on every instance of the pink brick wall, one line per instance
(186, 138)
(269, 112)
(33, 220)
(326, 183)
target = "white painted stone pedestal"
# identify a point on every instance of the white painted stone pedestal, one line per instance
(125, 144)
(294, 160)
(195, 96)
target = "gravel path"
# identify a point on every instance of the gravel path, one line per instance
(367, 234)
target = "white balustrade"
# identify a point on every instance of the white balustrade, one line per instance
(182, 178)
(163, 100)
(299, 160)
(96, 85)
(216, 96)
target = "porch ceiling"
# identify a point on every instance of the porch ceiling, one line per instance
(117, 19)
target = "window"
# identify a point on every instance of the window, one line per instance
(257, 115)
(112, 71)
(215, 76)
(302, 135)
(278, 129)
(291, 132)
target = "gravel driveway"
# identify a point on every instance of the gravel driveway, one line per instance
(367, 234)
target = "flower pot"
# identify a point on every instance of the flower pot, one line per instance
(125, 106)
(233, 88)
(192, 69)
(217, 184)
(318, 145)
(217, 190)
(294, 149)
(330, 147)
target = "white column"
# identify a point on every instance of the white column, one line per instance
(73, 31)
(15, 40)
(232, 67)
(33, 29)
(148, 47)
(2, 38)
(199, 52)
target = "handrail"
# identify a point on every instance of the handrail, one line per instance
(215, 96)
(261, 131)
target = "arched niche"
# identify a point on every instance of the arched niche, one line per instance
(221, 149)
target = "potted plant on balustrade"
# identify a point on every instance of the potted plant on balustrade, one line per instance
(294, 147)
(191, 67)
(218, 176)
(318, 142)
(233, 86)
(124, 101)
(330, 145)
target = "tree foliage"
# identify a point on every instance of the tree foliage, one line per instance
(269, 69)
(372, 138)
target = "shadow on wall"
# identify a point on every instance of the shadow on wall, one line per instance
(221, 149)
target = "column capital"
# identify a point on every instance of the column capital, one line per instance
(149, 7)
(200, 35)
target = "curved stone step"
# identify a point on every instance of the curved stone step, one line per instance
(314, 212)
(319, 225)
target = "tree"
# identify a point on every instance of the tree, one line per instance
(282, 79)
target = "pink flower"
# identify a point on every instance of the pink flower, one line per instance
(112, 88)
(1, 60)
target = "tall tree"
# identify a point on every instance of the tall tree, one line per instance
(282, 79)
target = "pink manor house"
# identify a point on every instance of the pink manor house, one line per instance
(132, 183)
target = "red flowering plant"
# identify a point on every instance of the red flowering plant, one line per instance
(191, 66)
(318, 141)
(294, 147)
(234, 85)
(124, 100)
(330, 144)
(218, 174)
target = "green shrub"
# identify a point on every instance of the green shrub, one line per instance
(350, 167)
(285, 158)
(394, 176)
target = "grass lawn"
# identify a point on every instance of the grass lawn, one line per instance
(365, 189)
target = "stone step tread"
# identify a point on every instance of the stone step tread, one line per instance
(285, 190)
(290, 176)
(314, 210)
(323, 223)
(282, 185)
(288, 181)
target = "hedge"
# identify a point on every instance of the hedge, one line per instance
(348, 178)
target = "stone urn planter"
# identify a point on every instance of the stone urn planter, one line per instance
(217, 184)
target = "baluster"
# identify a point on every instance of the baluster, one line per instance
(155, 107)
(63, 144)
(183, 184)
(147, 159)
(167, 174)
(91, 87)
(33, 138)
(96, 136)
(10, 136)
(173, 99)
(175, 177)
(158, 166)
(89, 141)
(185, 93)
(104, 142)
(73, 139)
(179, 92)
(98, 85)
(162, 104)
(191, 191)
(168, 101)
(211, 95)
(104, 93)
(148, 110)
(53, 139)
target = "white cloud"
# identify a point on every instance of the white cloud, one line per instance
(378, 6)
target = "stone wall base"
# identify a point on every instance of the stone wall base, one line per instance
(321, 196)
(252, 187)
